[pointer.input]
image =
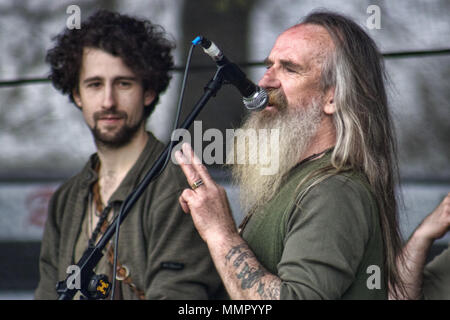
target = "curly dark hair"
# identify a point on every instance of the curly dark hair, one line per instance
(142, 45)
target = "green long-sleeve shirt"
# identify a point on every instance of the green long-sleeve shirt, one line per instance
(436, 277)
(325, 243)
(158, 243)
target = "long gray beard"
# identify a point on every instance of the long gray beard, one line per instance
(296, 130)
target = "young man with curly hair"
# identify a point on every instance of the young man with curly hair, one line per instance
(114, 69)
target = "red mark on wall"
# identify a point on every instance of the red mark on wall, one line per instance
(37, 205)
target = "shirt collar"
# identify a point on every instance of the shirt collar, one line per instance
(147, 156)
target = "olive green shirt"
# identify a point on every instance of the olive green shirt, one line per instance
(436, 277)
(324, 243)
(158, 243)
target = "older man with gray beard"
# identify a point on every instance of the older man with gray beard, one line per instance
(295, 127)
(325, 225)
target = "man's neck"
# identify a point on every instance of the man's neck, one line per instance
(115, 163)
(324, 139)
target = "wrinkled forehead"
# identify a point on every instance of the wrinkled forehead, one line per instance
(307, 44)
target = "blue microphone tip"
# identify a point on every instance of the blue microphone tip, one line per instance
(197, 40)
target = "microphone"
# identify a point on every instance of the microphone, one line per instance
(254, 97)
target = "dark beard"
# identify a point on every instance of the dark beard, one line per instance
(121, 138)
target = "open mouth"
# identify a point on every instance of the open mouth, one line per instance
(271, 107)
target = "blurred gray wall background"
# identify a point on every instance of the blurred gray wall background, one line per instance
(43, 139)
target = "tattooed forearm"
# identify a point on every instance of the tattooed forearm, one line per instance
(234, 250)
(272, 292)
(251, 274)
(238, 261)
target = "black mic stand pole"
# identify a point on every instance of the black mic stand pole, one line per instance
(88, 279)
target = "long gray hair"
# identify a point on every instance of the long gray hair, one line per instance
(365, 139)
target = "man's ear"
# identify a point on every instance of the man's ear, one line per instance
(77, 98)
(329, 107)
(149, 96)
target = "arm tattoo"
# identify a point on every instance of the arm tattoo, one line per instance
(272, 292)
(235, 250)
(250, 276)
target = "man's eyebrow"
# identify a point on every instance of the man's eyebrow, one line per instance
(120, 78)
(285, 64)
(129, 78)
(291, 65)
(268, 62)
(91, 79)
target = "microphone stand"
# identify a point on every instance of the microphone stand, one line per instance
(94, 286)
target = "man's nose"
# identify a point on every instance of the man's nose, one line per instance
(109, 100)
(269, 79)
